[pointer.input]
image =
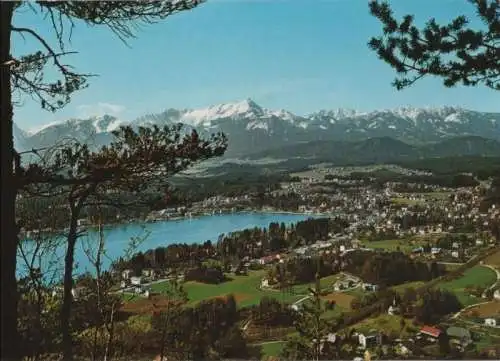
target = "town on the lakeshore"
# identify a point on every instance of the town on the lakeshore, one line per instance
(248, 180)
(404, 269)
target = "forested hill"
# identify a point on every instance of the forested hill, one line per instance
(382, 150)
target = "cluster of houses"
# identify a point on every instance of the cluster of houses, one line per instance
(167, 213)
(347, 281)
(459, 338)
(374, 208)
(138, 284)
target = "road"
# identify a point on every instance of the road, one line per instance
(296, 303)
(451, 263)
(497, 273)
(268, 342)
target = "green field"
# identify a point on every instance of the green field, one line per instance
(272, 349)
(405, 245)
(130, 297)
(387, 323)
(476, 276)
(357, 292)
(486, 341)
(401, 288)
(426, 195)
(331, 314)
(406, 201)
(244, 288)
(437, 195)
(326, 283)
(486, 336)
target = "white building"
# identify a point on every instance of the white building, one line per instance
(435, 250)
(393, 310)
(491, 322)
(126, 274)
(370, 287)
(136, 281)
(496, 295)
(82, 222)
(148, 272)
(368, 340)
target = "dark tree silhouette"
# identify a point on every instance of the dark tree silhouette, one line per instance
(25, 74)
(311, 326)
(132, 164)
(454, 52)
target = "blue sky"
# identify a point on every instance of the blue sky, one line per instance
(301, 55)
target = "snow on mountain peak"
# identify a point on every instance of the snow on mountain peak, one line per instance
(98, 124)
(206, 115)
(56, 123)
(106, 123)
(425, 124)
(332, 116)
(283, 114)
(413, 113)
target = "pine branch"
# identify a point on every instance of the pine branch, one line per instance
(452, 52)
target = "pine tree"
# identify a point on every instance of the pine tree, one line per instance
(311, 326)
(455, 52)
(27, 74)
(162, 321)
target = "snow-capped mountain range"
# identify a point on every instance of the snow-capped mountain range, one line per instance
(251, 128)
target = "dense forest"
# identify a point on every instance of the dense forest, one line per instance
(234, 247)
(379, 178)
(391, 268)
(480, 166)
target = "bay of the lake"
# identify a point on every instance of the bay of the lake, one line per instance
(158, 234)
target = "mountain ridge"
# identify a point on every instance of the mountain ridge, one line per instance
(252, 128)
(383, 150)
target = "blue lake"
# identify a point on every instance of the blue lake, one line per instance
(195, 230)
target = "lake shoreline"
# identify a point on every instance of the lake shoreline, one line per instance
(278, 212)
(23, 235)
(164, 233)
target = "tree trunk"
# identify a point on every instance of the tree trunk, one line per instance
(68, 285)
(162, 345)
(8, 226)
(111, 333)
(94, 345)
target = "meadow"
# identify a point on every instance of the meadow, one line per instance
(476, 276)
(245, 289)
(401, 288)
(493, 260)
(326, 283)
(272, 349)
(390, 325)
(390, 245)
(489, 309)
(406, 201)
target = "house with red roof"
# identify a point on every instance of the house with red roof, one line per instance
(430, 331)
